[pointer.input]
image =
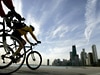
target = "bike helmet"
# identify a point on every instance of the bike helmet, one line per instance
(32, 27)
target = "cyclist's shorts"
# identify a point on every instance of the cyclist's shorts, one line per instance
(17, 35)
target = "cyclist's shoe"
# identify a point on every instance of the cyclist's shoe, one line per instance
(18, 57)
(12, 58)
(18, 60)
(15, 59)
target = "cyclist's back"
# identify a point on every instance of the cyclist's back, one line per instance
(18, 25)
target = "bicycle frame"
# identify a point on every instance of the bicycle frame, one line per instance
(30, 48)
(27, 50)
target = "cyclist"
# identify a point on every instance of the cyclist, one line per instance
(22, 29)
(10, 6)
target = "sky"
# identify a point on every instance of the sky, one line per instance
(59, 24)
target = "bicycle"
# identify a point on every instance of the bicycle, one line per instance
(8, 45)
(33, 55)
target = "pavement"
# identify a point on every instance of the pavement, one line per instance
(52, 70)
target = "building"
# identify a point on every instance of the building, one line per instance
(58, 62)
(90, 58)
(74, 58)
(48, 62)
(83, 57)
(74, 53)
(70, 56)
(95, 57)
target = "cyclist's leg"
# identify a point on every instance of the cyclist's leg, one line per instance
(21, 46)
(18, 35)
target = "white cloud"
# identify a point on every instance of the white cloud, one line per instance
(90, 16)
(18, 6)
(56, 4)
(59, 31)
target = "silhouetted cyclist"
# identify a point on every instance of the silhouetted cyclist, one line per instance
(21, 29)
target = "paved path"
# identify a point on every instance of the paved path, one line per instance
(49, 70)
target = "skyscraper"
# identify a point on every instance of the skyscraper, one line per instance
(95, 57)
(83, 57)
(71, 56)
(74, 53)
(90, 58)
(74, 58)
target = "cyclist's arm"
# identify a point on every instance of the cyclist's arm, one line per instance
(26, 38)
(31, 33)
(33, 36)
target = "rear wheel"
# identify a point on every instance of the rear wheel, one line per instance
(9, 64)
(34, 60)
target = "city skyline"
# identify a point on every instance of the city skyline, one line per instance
(85, 59)
(59, 24)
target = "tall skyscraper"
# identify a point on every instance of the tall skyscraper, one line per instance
(74, 58)
(90, 58)
(74, 53)
(83, 57)
(95, 57)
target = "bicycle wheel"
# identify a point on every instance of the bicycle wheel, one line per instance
(7, 64)
(34, 60)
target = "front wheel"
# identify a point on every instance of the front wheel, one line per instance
(34, 60)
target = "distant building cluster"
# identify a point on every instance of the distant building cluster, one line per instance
(86, 59)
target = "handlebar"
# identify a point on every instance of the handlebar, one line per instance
(32, 44)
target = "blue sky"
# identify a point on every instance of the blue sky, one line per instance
(59, 24)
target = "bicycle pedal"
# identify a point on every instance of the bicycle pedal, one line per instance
(14, 60)
(11, 57)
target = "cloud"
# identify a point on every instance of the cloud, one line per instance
(57, 32)
(90, 17)
(18, 6)
(60, 31)
(56, 4)
(31, 21)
